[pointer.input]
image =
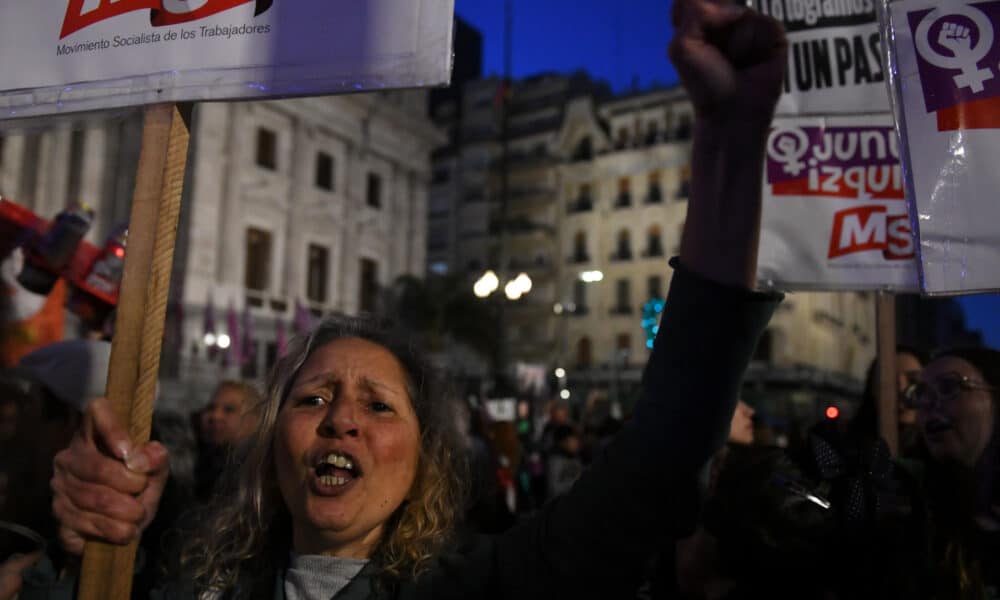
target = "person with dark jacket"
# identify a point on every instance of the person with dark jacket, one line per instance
(350, 488)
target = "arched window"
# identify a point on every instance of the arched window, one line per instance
(654, 243)
(621, 141)
(584, 150)
(684, 188)
(624, 194)
(654, 194)
(652, 133)
(584, 351)
(623, 251)
(580, 247)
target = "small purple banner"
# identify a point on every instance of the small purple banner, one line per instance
(957, 53)
(843, 162)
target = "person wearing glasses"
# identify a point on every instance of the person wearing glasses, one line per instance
(956, 399)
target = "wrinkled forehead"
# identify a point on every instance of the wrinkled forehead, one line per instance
(356, 360)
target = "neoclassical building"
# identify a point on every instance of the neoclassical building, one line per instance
(291, 208)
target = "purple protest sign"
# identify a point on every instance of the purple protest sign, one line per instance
(844, 162)
(956, 55)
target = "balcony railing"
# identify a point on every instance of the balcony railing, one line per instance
(624, 200)
(582, 204)
(579, 258)
(622, 254)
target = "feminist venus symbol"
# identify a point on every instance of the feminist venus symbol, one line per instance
(957, 38)
(787, 145)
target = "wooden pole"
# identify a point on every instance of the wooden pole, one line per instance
(135, 349)
(888, 392)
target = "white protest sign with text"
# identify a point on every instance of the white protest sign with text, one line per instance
(834, 56)
(88, 54)
(834, 215)
(947, 58)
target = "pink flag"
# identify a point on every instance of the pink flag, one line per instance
(281, 337)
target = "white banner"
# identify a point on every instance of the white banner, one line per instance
(87, 54)
(947, 60)
(834, 215)
(834, 56)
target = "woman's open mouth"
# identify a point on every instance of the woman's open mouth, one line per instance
(334, 472)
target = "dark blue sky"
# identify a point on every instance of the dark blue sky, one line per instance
(621, 42)
(614, 40)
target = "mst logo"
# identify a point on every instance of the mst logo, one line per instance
(871, 227)
(84, 13)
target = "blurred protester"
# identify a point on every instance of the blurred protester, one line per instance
(956, 399)
(741, 429)
(229, 418)
(909, 361)
(564, 464)
(49, 387)
(837, 523)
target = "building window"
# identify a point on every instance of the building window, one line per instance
(368, 288)
(654, 245)
(654, 195)
(621, 142)
(654, 287)
(580, 297)
(623, 250)
(373, 194)
(684, 128)
(258, 260)
(324, 171)
(624, 195)
(684, 188)
(653, 134)
(584, 352)
(623, 348)
(318, 267)
(623, 297)
(583, 201)
(580, 247)
(584, 150)
(267, 149)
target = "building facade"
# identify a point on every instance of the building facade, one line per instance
(292, 209)
(589, 200)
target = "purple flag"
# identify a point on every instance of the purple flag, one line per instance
(208, 326)
(281, 337)
(303, 319)
(249, 352)
(234, 354)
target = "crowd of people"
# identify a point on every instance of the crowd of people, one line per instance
(355, 474)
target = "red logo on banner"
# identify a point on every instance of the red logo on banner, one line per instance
(871, 228)
(81, 14)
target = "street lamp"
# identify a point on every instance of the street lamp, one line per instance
(560, 372)
(486, 285)
(514, 289)
(222, 341)
(591, 276)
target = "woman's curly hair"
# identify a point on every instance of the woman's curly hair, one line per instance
(246, 527)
